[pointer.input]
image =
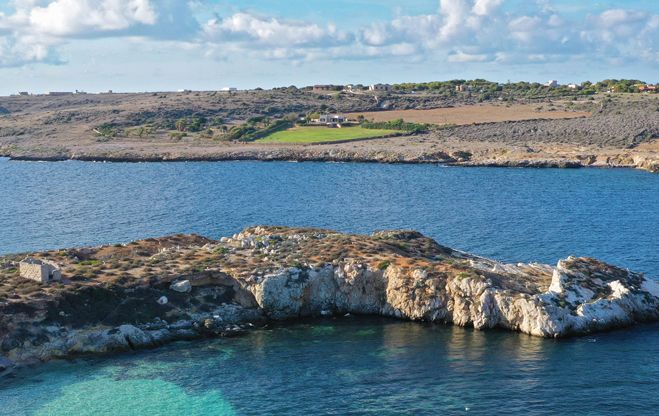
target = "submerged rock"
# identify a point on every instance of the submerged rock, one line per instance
(183, 286)
(274, 273)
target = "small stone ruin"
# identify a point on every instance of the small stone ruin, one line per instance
(42, 271)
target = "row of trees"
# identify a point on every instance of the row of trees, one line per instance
(520, 89)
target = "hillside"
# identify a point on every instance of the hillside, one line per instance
(600, 130)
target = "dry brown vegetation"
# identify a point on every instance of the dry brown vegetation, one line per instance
(163, 258)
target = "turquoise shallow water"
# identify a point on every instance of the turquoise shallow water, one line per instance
(355, 366)
(347, 366)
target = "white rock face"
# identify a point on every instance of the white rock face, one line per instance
(580, 298)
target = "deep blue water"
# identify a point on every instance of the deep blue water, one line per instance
(351, 365)
(508, 214)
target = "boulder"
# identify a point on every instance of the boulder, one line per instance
(182, 286)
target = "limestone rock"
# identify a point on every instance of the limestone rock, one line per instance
(182, 286)
(283, 273)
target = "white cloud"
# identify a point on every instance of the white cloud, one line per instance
(76, 17)
(482, 30)
(486, 7)
(461, 57)
(459, 31)
(34, 28)
(272, 32)
(453, 13)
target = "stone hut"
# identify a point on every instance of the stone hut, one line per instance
(42, 271)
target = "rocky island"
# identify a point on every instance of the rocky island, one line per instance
(150, 292)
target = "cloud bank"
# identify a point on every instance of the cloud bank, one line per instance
(459, 31)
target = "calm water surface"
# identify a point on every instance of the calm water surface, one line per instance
(351, 365)
(509, 214)
(356, 366)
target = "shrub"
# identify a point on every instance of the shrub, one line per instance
(177, 135)
(384, 265)
(107, 130)
(90, 262)
(248, 133)
(399, 124)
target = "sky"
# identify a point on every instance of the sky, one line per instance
(164, 45)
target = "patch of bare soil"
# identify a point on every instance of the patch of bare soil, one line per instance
(476, 114)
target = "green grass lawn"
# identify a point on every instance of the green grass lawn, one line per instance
(323, 134)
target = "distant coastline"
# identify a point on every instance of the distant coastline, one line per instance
(601, 130)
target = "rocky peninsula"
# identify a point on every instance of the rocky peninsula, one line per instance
(151, 292)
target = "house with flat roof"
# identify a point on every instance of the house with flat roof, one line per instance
(332, 119)
(379, 87)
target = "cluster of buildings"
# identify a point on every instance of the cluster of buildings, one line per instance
(57, 93)
(352, 88)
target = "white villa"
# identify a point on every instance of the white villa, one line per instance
(379, 87)
(332, 119)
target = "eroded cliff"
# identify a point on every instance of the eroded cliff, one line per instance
(154, 291)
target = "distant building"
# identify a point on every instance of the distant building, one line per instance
(184, 90)
(379, 87)
(462, 88)
(229, 89)
(646, 88)
(59, 93)
(551, 83)
(23, 93)
(42, 271)
(574, 86)
(332, 119)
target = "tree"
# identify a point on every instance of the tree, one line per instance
(181, 124)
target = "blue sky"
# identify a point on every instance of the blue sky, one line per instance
(147, 45)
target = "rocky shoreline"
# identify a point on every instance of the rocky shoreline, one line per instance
(311, 153)
(155, 291)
